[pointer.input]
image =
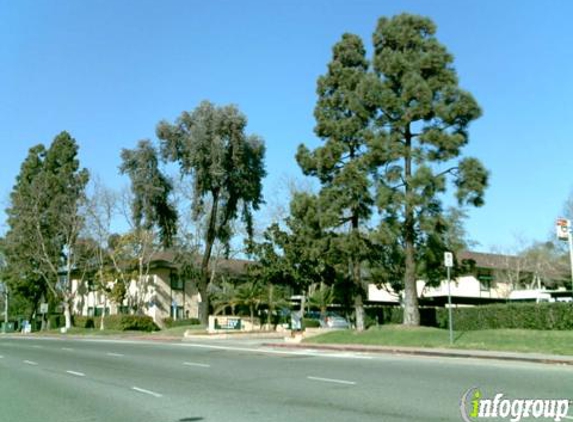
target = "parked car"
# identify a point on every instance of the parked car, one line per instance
(333, 320)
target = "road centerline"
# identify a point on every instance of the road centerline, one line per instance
(29, 362)
(116, 355)
(67, 349)
(200, 365)
(77, 374)
(148, 392)
(331, 380)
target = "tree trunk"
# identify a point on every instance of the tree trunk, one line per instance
(210, 236)
(357, 280)
(359, 309)
(271, 305)
(204, 304)
(323, 303)
(251, 308)
(411, 311)
(101, 320)
(67, 313)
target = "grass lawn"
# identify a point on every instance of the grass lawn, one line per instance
(534, 341)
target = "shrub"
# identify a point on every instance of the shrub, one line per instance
(310, 323)
(56, 321)
(137, 323)
(170, 323)
(117, 322)
(533, 316)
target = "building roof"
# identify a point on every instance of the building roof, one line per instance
(489, 260)
(171, 259)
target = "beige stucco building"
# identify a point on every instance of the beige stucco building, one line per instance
(162, 292)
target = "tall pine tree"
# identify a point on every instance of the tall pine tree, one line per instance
(343, 121)
(422, 122)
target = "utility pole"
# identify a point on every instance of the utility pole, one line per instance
(563, 228)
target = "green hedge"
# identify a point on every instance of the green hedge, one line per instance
(170, 323)
(118, 322)
(310, 323)
(533, 316)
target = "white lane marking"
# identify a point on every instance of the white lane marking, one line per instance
(36, 346)
(68, 349)
(117, 355)
(151, 393)
(315, 353)
(332, 380)
(29, 362)
(201, 365)
(77, 374)
(1, 357)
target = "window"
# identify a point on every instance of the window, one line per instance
(180, 312)
(99, 311)
(123, 310)
(485, 277)
(176, 282)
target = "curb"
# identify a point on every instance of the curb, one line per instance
(457, 353)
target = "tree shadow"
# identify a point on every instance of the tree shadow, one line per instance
(459, 336)
(198, 418)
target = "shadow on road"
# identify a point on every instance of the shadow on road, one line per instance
(191, 419)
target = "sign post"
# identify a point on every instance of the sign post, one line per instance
(563, 229)
(449, 263)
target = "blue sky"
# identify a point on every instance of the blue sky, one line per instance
(108, 71)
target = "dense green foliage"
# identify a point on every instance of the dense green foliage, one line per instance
(227, 167)
(422, 120)
(44, 222)
(342, 120)
(118, 322)
(171, 323)
(151, 206)
(531, 316)
(393, 132)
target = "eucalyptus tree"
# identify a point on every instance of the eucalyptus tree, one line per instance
(211, 146)
(44, 219)
(151, 207)
(422, 120)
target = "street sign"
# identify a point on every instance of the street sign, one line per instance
(562, 228)
(43, 308)
(448, 259)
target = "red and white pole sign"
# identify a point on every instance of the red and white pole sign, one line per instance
(562, 228)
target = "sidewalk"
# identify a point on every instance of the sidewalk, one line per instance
(437, 352)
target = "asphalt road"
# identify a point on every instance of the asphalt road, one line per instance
(54, 380)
